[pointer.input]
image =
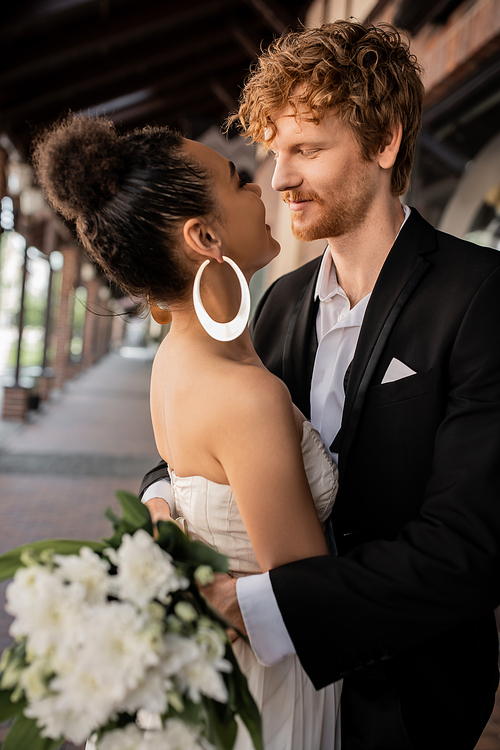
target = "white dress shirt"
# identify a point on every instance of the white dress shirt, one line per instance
(337, 328)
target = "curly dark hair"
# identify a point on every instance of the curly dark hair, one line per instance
(126, 195)
(366, 74)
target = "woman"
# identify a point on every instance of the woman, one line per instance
(170, 221)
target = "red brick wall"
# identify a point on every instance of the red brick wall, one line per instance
(63, 327)
(453, 51)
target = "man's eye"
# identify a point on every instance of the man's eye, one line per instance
(243, 180)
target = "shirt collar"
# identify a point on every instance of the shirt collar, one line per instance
(326, 284)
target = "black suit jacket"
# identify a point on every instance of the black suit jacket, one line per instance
(405, 613)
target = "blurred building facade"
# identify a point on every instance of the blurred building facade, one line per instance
(154, 62)
(49, 293)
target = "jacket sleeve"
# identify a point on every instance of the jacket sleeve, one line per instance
(158, 472)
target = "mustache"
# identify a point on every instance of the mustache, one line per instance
(291, 196)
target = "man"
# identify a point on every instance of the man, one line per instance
(389, 343)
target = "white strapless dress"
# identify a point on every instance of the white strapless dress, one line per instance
(295, 715)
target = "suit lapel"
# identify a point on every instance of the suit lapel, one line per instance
(400, 275)
(300, 346)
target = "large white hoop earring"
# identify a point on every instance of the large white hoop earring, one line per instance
(233, 328)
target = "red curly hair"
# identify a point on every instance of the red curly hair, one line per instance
(365, 73)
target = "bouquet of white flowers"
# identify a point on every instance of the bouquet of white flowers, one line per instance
(107, 633)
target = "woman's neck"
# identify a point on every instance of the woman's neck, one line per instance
(221, 298)
(185, 328)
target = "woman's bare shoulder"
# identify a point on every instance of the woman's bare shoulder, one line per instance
(252, 400)
(252, 387)
(220, 395)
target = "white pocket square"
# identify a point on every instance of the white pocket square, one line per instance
(396, 371)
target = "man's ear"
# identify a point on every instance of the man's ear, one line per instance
(201, 239)
(389, 149)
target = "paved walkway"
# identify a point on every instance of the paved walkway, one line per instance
(60, 472)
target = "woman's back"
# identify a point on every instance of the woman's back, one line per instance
(219, 414)
(191, 390)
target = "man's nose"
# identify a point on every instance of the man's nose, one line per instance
(285, 177)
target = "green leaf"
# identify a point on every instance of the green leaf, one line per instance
(111, 515)
(7, 708)
(244, 703)
(135, 513)
(11, 561)
(190, 713)
(25, 734)
(135, 516)
(201, 554)
(192, 552)
(172, 540)
(222, 726)
(115, 540)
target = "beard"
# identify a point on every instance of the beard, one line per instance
(338, 214)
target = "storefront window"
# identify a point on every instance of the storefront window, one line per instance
(12, 249)
(79, 311)
(35, 308)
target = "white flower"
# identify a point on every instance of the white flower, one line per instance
(148, 721)
(58, 719)
(175, 736)
(145, 571)
(121, 644)
(88, 658)
(214, 645)
(150, 694)
(178, 651)
(185, 611)
(34, 679)
(201, 678)
(87, 569)
(203, 575)
(83, 688)
(46, 611)
(186, 661)
(129, 738)
(11, 668)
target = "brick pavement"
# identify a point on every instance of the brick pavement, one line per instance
(59, 473)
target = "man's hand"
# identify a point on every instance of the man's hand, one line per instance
(159, 509)
(222, 592)
(222, 595)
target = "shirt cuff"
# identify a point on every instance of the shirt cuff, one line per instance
(161, 488)
(264, 623)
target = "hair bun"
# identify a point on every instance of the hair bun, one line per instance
(79, 164)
